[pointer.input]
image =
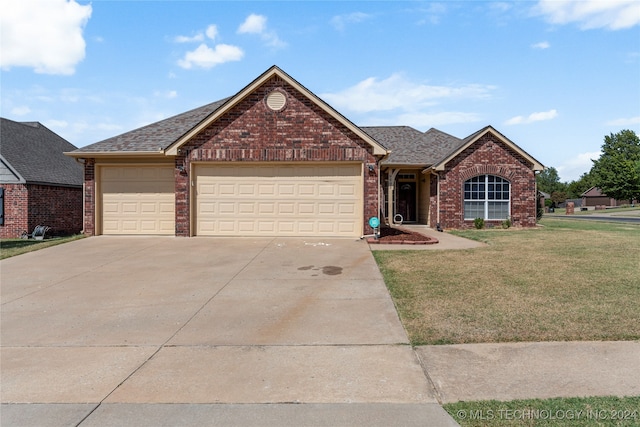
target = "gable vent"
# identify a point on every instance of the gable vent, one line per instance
(276, 100)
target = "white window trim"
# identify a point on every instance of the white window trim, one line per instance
(486, 199)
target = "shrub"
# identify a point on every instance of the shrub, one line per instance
(506, 223)
(479, 223)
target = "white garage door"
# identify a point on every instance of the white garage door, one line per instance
(279, 200)
(137, 200)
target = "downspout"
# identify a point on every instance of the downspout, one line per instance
(378, 172)
(438, 204)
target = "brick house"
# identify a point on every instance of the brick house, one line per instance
(276, 160)
(595, 197)
(39, 185)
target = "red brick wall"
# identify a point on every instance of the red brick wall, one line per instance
(89, 197)
(16, 210)
(27, 206)
(488, 155)
(251, 132)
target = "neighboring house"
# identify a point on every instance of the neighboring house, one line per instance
(276, 160)
(595, 197)
(39, 185)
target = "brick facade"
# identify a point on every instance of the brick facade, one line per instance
(252, 132)
(491, 156)
(29, 205)
(90, 197)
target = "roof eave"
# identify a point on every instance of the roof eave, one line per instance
(405, 165)
(97, 154)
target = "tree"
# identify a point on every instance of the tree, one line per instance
(617, 171)
(582, 184)
(549, 181)
(558, 197)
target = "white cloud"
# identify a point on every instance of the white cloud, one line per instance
(397, 92)
(56, 124)
(189, 39)
(212, 32)
(257, 24)
(628, 121)
(533, 117)
(44, 35)
(254, 24)
(590, 14)
(21, 110)
(170, 94)
(433, 13)
(541, 45)
(571, 169)
(340, 21)
(205, 57)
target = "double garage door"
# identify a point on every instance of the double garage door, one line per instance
(237, 200)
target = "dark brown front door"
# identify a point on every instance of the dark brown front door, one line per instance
(407, 201)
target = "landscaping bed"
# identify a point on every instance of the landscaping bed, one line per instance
(401, 236)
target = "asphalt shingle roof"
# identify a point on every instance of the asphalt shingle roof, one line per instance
(36, 153)
(156, 136)
(409, 146)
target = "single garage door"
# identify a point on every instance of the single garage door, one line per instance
(278, 200)
(137, 200)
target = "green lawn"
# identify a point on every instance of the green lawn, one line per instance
(570, 412)
(566, 280)
(13, 247)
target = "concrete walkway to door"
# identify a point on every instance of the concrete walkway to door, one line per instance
(202, 331)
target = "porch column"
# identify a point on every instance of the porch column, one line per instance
(391, 185)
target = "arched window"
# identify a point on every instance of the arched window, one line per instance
(487, 197)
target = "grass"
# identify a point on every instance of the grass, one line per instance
(568, 280)
(626, 211)
(571, 412)
(13, 247)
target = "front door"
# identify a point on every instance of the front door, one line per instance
(407, 201)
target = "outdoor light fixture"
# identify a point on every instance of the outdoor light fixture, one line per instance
(372, 168)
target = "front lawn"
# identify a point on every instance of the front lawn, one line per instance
(13, 247)
(567, 280)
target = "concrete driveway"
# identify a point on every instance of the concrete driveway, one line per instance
(171, 331)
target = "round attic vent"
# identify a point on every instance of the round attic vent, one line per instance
(276, 100)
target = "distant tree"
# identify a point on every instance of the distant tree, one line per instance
(549, 181)
(579, 186)
(617, 171)
(558, 197)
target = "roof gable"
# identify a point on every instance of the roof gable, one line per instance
(274, 71)
(468, 141)
(35, 154)
(593, 192)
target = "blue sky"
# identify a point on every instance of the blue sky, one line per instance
(553, 76)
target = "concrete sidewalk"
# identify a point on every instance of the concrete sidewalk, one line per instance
(170, 331)
(445, 241)
(240, 332)
(511, 371)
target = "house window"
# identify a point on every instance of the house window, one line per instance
(487, 197)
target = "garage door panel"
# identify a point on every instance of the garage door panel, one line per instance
(137, 200)
(286, 200)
